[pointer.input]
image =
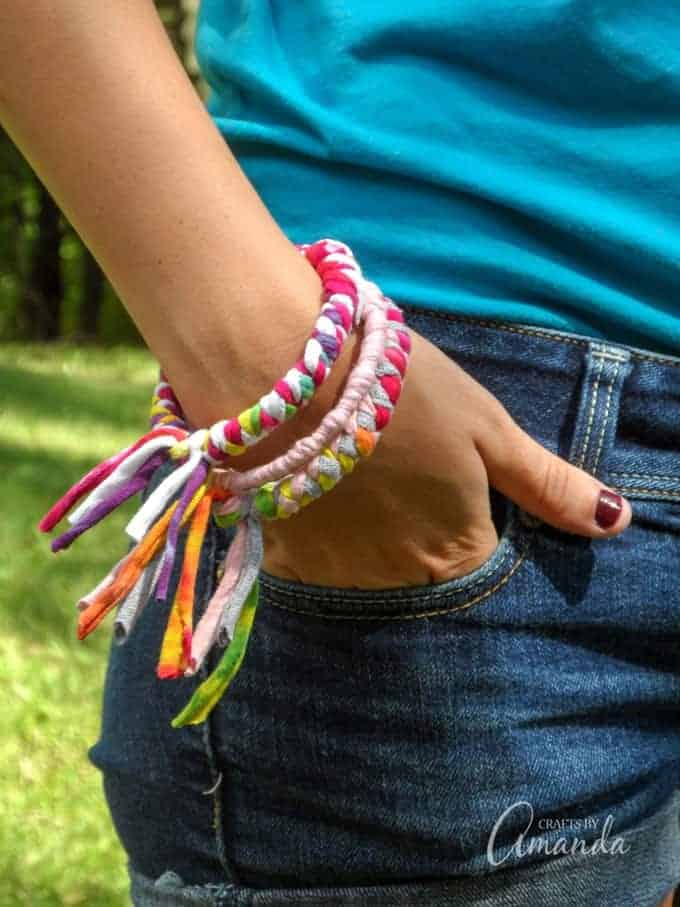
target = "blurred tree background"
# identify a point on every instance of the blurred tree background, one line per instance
(50, 285)
(75, 381)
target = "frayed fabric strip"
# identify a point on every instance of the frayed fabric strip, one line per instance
(126, 489)
(91, 596)
(157, 502)
(233, 631)
(134, 602)
(96, 476)
(206, 631)
(211, 690)
(204, 486)
(250, 570)
(176, 650)
(195, 480)
(121, 474)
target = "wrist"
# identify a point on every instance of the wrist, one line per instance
(221, 367)
(209, 391)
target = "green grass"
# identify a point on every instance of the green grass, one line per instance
(61, 410)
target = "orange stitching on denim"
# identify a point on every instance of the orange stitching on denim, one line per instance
(645, 475)
(650, 492)
(605, 417)
(538, 332)
(607, 354)
(345, 594)
(594, 392)
(419, 614)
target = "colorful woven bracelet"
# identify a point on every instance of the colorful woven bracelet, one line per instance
(220, 621)
(347, 433)
(171, 436)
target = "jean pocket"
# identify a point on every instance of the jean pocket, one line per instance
(515, 529)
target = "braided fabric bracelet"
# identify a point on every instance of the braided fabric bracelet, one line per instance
(198, 489)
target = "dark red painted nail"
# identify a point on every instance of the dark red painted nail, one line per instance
(609, 508)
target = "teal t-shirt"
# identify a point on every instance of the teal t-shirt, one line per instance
(512, 159)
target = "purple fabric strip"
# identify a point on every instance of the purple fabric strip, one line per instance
(195, 480)
(134, 484)
(329, 345)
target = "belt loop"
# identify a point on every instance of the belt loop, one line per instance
(606, 368)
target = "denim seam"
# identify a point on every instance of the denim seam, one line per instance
(206, 730)
(593, 392)
(511, 537)
(403, 616)
(632, 490)
(514, 537)
(605, 417)
(545, 333)
(646, 475)
(339, 594)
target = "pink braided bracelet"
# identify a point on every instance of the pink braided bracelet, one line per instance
(311, 467)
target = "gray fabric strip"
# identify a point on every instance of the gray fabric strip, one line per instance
(251, 567)
(134, 602)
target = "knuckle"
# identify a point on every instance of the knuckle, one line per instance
(497, 420)
(553, 485)
(458, 557)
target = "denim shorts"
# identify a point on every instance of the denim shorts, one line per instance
(510, 737)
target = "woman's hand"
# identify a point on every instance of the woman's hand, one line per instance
(417, 511)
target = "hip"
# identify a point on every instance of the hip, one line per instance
(390, 738)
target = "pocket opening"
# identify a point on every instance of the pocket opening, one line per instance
(414, 600)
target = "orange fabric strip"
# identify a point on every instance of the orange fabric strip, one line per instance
(176, 648)
(131, 568)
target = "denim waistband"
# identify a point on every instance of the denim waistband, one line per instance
(578, 395)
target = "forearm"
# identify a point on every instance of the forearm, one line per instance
(95, 97)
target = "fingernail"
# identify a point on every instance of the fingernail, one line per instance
(609, 509)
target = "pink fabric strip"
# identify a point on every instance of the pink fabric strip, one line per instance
(208, 625)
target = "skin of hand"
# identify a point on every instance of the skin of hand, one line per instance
(417, 510)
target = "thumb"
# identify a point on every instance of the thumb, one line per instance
(548, 486)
